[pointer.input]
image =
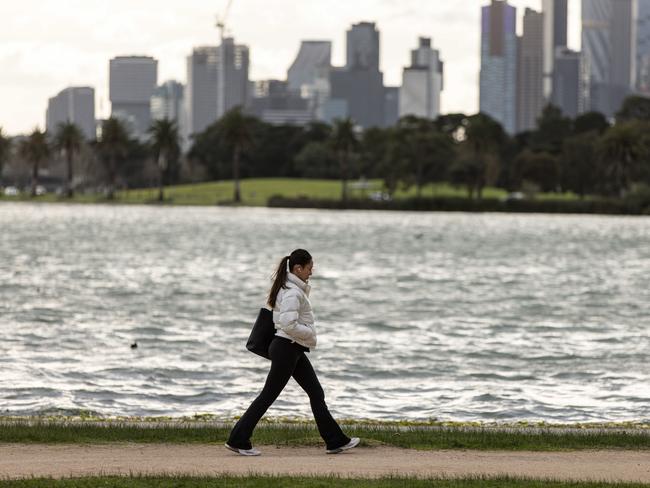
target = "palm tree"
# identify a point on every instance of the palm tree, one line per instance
(69, 139)
(622, 149)
(344, 140)
(35, 150)
(485, 138)
(5, 150)
(165, 147)
(236, 132)
(114, 144)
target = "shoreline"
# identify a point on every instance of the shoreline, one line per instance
(90, 418)
(326, 194)
(424, 206)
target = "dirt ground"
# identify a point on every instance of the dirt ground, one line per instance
(27, 460)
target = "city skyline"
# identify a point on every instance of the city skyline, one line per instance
(67, 60)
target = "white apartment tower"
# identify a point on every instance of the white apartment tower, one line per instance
(422, 82)
(76, 105)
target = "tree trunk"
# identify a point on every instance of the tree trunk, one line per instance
(343, 159)
(161, 187)
(111, 179)
(69, 191)
(235, 174)
(34, 178)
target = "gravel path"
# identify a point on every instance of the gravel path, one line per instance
(27, 460)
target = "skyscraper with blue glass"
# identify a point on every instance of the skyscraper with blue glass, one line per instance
(609, 45)
(498, 78)
(643, 47)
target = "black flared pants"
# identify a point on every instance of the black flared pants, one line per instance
(288, 359)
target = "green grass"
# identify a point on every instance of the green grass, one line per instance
(300, 482)
(305, 434)
(256, 192)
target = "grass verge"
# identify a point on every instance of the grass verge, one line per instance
(301, 482)
(427, 437)
(257, 191)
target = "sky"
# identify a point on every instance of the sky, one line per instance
(46, 46)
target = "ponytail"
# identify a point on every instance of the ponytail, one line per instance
(279, 279)
(297, 257)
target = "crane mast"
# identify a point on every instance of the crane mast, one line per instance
(221, 20)
(221, 62)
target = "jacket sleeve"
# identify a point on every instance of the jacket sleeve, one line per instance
(288, 318)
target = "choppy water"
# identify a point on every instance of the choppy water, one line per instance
(452, 316)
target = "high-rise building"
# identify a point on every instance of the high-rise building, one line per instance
(319, 95)
(362, 93)
(167, 102)
(570, 81)
(643, 47)
(217, 81)
(201, 90)
(391, 105)
(597, 47)
(530, 71)
(357, 90)
(555, 36)
(498, 78)
(274, 103)
(624, 16)
(363, 47)
(133, 80)
(312, 56)
(422, 82)
(76, 105)
(609, 46)
(232, 76)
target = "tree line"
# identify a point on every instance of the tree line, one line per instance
(587, 155)
(113, 160)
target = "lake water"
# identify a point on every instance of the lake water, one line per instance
(420, 315)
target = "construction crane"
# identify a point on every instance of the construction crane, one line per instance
(221, 61)
(221, 20)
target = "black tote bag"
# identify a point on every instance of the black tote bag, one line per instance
(262, 334)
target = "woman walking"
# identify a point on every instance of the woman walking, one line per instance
(295, 335)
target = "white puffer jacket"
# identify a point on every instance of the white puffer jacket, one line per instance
(293, 316)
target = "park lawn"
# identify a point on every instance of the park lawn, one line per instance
(254, 481)
(254, 192)
(257, 191)
(424, 437)
(52, 198)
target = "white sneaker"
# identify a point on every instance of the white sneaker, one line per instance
(243, 452)
(354, 442)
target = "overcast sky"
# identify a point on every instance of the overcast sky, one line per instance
(46, 45)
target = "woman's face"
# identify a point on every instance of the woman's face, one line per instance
(303, 272)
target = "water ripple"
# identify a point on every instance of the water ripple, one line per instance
(449, 316)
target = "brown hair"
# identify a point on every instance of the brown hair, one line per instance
(298, 257)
